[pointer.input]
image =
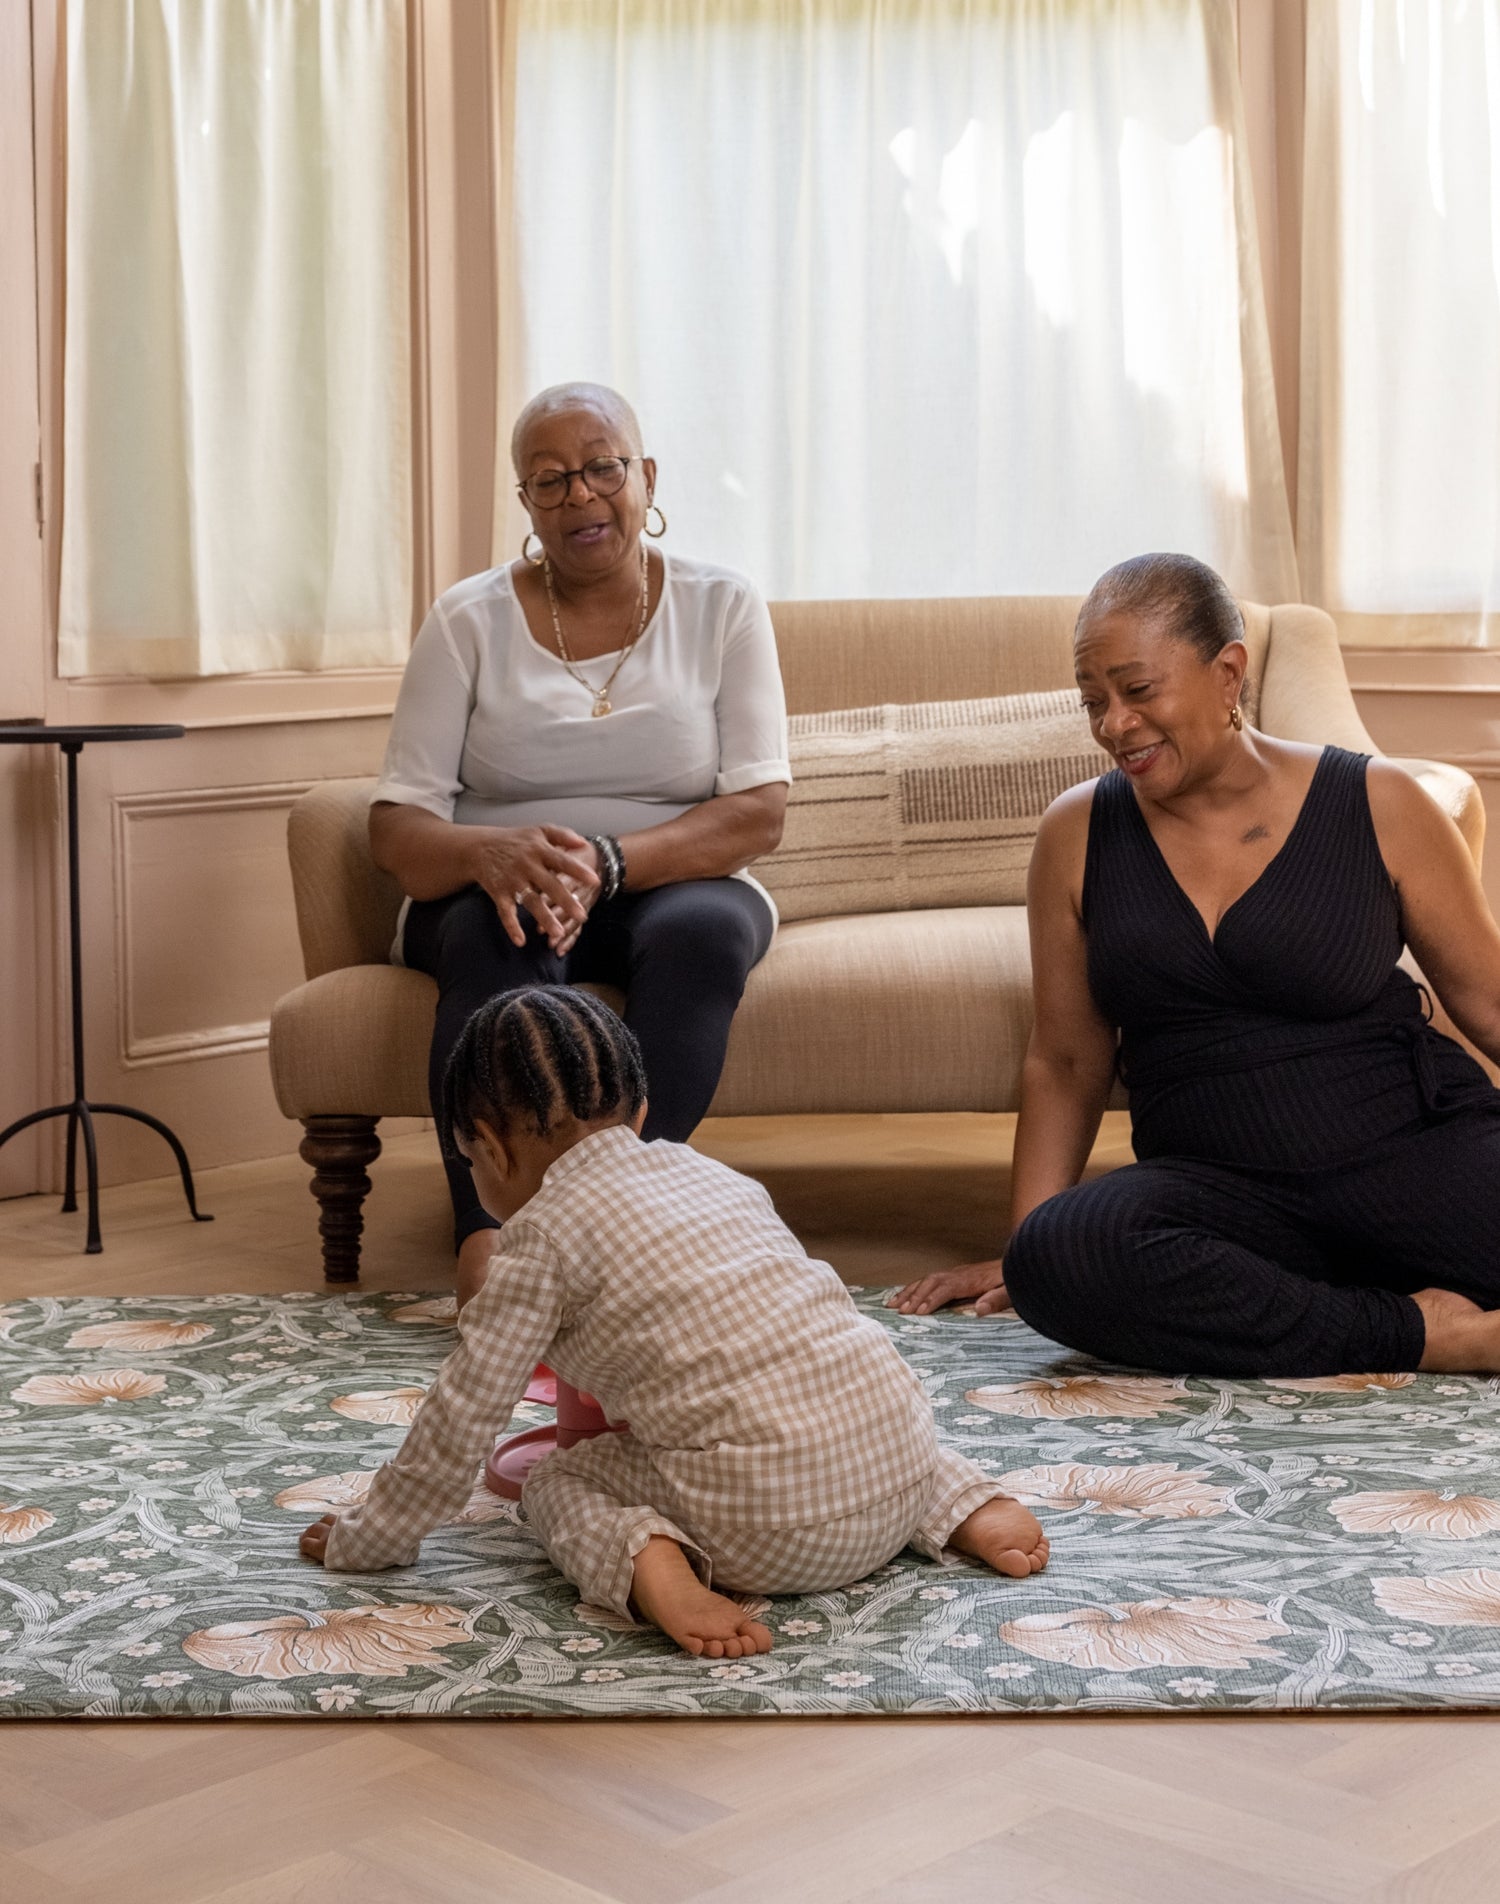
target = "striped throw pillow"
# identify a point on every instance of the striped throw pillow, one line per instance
(934, 804)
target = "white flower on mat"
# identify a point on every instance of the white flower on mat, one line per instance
(1121, 1453)
(203, 1530)
(1454, 1460)
(166, 1679)
(847, 1679)
(1419, 1417)
(79, 1594)
(731, 1672)
(10, 1687)
(1192, 1688)
(971, 1421)
(1482, 1437)
(140, 1335)
(1340, 1460)
(1223, 1441)
(149, 1600)
(69, 1471)
(96, 1504)
(1328, 1481)
(1455, 1669)
(20, 1524)
(1450, 1388)
(191, 1434)
(245, 1493)
(337, 1698)
(1127, 1637)
(963, 1642)
(248, 1355)
(938, 1593)
(1317, 1414)
(1410, 1639)
(140, 1553)
(1282, 1401)
(142, 1651)
(862, 1586)
(301, 1381)
(1420, 1511)
(1058, 1397)
(297, 1408)
(118, 1579)
(180, 1401)
(1012, 1669)
(7, 1412)
(166, 1467)
(599, 1675)
(582, 1645)
(376, 1642)
(94, 1565)
(297, 1467)
(1155, 1492)
(126, 1449)
(797, 1629)
(322, 1428)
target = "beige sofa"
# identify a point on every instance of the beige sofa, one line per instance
(892, 1011)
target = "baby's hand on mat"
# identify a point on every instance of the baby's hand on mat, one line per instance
(314, 1542)
(984, 1280)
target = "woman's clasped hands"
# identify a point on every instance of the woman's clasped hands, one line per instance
(551, 871)
(984, 1281)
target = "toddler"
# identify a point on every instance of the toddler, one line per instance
(777, 1441)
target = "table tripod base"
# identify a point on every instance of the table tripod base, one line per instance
(80, 1115)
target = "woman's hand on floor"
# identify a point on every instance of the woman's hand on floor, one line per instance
(984, 1280)
(314, 1542)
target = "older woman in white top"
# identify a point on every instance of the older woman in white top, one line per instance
(588, 750)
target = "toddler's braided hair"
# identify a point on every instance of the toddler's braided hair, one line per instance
(537, 1055)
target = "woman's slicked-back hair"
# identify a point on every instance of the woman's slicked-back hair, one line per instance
(537, 1055)
(1183, 596)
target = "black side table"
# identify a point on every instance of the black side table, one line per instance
(81, 1112)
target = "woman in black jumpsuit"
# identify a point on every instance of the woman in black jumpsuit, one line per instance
(1318, 1184)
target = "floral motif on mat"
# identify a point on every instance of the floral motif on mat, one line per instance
(1329, 1543)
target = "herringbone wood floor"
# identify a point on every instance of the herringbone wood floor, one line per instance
(1065, 1811)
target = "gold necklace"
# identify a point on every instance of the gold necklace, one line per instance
(602, 703)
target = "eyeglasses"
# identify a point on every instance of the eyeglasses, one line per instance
(604, 475)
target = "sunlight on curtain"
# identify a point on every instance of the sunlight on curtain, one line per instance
(913, 296)
(1399, 466)
(237, 477)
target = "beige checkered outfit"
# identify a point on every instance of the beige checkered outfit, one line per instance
(773, 1430)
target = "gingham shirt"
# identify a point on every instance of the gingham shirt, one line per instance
(665, 1285)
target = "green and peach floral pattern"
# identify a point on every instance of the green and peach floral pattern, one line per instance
(1327, 1543)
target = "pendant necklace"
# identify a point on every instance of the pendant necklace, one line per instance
(602, 704)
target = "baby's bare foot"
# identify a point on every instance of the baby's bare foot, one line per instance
(670, 1595)
(1005, 1536)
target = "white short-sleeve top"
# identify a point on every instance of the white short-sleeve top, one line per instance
(490, 729)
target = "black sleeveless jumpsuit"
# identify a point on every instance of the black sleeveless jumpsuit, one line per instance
(1310, 1149)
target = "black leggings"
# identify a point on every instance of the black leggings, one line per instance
(681, 954)
(1204, 1269)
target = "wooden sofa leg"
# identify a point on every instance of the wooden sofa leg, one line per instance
(338, 1149)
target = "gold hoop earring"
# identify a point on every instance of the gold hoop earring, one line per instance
(655, 534)
(1236, 718)
(536, 561)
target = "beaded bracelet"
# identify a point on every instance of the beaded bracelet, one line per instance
(611, 864)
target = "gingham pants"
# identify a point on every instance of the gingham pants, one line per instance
(595, 1505)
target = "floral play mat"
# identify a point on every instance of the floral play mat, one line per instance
(1243, 1545)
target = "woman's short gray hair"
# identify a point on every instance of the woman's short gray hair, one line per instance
(576, 396)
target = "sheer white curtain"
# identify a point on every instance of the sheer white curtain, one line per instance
(913, 296)
(1399, 468)
(237, 481)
